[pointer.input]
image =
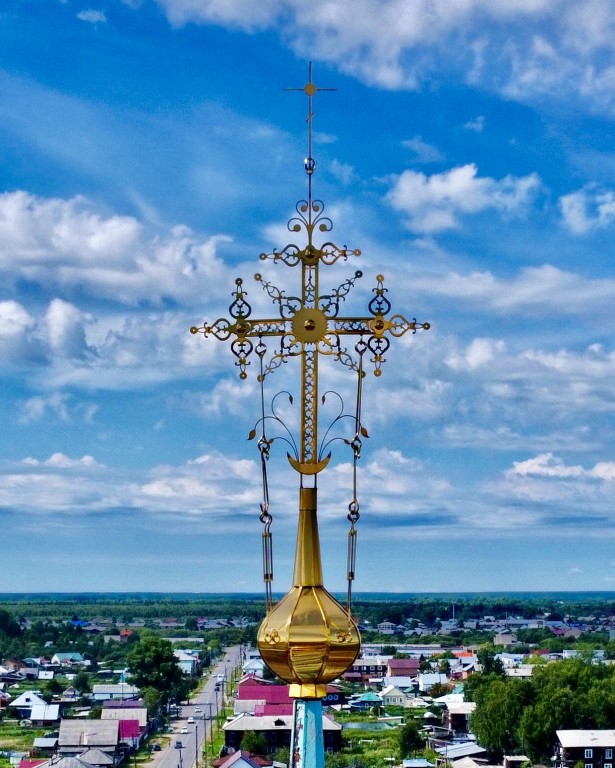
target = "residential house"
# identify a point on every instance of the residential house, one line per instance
(103, 691)
(403, 667)
(365, 668)
(393, 696)
(453, 752)
(277, 731)
(426, 680)
(386, 628)
(69, 659)
(523, 671)
(365, 701)
(592, 748)
(456, 717)
(241, 759)
(506, 637)
(125, 710)
(255, 667)
(45, 745)
(77, 736)
(45, 715)
(188, 661)
(133, 720)
(96, 757)
(258, 698)
(65, 762)
(23, 704)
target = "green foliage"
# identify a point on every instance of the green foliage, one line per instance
(54, 687)
(490, 665)
(151, 664)
(254, 743)
(410, 739)
(8, 624)
(282, 755)
(82, 682)
(513, 714)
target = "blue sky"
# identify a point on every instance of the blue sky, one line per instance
(149, 154)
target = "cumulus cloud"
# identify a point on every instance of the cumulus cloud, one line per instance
(435, 203)
(479, 353)
(540, 290)
(65, 329)
(535, 48)
(67, 245)
(588, 209)
(83, 486)
(548, 465)
(61, 461)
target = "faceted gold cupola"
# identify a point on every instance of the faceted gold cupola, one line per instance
(308, 639)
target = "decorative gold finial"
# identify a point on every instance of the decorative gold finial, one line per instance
(308, 638)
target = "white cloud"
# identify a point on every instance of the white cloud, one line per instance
(92, 17)
(65, 329)
(479, 353)
(435, 203)
(59, 405)
(588, 209)
(540, 290)
(424, 152)
(14, 321)
(477, 125)
(67, 245)
(535, 48)
(546, 465)
(82, 486)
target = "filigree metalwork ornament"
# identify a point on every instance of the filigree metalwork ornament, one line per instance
(308, 638)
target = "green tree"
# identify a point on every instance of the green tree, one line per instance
(489, 663)
(499, 707)
(254, 743)
(54, 687)
(151, 664)
(82, 682)
(410, 739)
(152, 701)
(539, 722)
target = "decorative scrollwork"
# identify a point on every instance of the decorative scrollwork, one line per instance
(330, 253)
(330, 305)
(380, 305)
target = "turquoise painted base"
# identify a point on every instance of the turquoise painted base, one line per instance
(307, 747)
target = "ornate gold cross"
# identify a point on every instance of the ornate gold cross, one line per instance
(308, 638)
(309, 325)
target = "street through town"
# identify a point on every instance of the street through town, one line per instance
(202, 710)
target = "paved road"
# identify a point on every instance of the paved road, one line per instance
(202, 710)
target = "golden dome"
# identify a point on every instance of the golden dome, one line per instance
(308, 639)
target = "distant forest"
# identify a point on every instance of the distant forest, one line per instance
(372, 607)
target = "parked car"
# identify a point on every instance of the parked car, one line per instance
(156, 747)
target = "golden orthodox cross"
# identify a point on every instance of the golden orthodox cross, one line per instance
(309, 325)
